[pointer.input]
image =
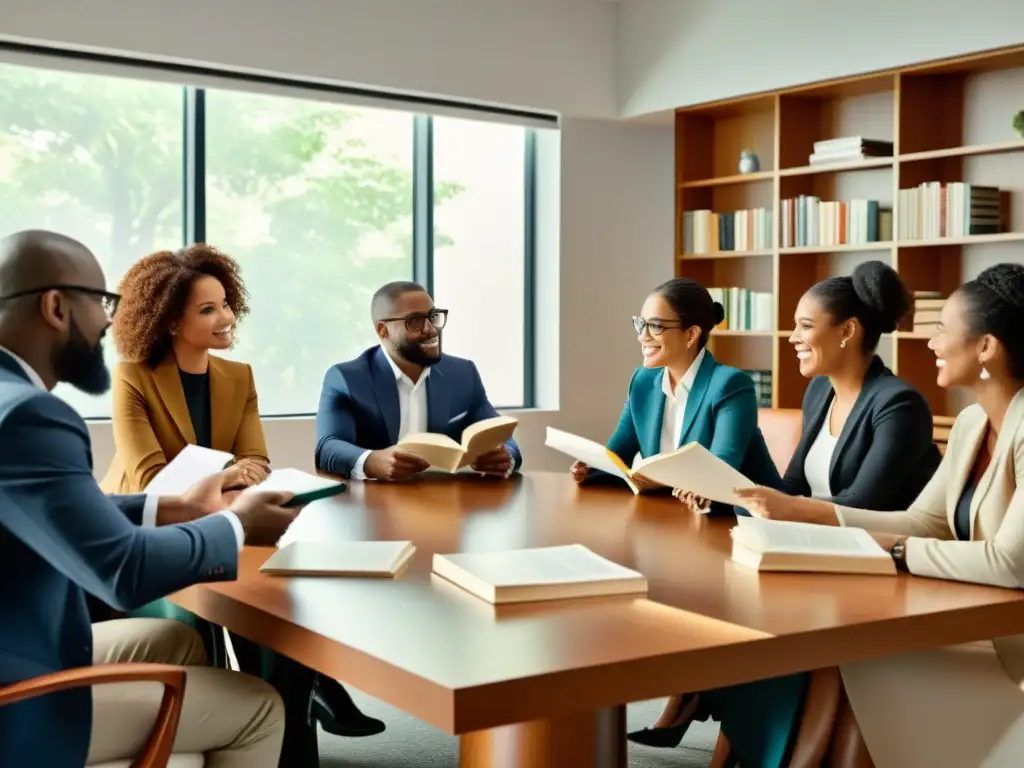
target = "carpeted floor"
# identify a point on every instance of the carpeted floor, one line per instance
(410, 743)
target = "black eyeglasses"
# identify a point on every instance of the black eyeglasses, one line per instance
(414, 323)
(110, 300)
(655, 327)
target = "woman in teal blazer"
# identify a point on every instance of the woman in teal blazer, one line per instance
(682, 395)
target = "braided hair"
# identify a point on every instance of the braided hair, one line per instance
(693, 305)
(995, 306)
(874, 294)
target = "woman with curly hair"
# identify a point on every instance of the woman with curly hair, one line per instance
(170, 391)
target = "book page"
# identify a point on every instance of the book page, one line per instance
(437, 450)
(695, 469)
(778, 536)
(186, 469)
(486, 435)
(340, 557)
(294, 481)
(569, 564)
(594, 455)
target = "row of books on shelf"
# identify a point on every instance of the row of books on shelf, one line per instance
(848, 149)
(935, 210)
(809, 221)
(762, 387)
(705, 231)
(745, 310)
(927, 308)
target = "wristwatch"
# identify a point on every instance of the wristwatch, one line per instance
(898, 552)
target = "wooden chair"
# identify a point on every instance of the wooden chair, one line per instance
(941, 426)
(781, 430)
(157, 751)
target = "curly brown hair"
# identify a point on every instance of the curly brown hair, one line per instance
(153, 295)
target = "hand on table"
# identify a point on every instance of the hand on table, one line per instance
(494, 462)
(245, 473)
(391, 464)
(579, 471)
(698, 505)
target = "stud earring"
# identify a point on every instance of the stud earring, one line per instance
(842, 344)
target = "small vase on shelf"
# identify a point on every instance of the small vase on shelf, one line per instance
(749, 162)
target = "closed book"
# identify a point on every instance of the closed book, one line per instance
(543, 573)
(370, 559)
(777, 545)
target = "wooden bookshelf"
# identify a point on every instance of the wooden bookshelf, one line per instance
(949, 121)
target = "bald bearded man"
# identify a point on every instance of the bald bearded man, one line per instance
(61, 537)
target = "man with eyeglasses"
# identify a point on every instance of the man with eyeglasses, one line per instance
(61, 538)
(404, 385)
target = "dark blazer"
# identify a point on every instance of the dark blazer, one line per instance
(359, 408)
(884, 456)
(61, 537)
(721, 415)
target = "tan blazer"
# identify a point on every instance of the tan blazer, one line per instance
(152, 424)
(995, 553)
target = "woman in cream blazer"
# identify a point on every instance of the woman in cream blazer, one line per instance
(961, 706)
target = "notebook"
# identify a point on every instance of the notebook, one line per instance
(778, 545)
(444, 453)
(374, 559)
(306, 487)
(692, 468)
(545, 573)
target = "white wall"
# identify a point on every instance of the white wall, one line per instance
(674, 53)
(555, 55)
(615, 245)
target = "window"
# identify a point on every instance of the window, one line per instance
(480, 248)
(314, 200)
(98, 159)
(319, 202)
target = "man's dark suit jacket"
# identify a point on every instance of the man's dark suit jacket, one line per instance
(359, 408)
(885, 454)
(61, 537)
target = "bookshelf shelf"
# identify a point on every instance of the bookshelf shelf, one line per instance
(739, 178)
(980, 149)
(858, 165)
(948, 123)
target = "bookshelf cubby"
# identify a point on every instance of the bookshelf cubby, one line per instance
(948, 122)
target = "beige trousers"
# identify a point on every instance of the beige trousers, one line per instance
(234, 720)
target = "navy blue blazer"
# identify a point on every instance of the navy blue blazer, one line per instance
(359, 408)
(61, 537)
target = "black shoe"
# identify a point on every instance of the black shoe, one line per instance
(330, 704)
(691, 709)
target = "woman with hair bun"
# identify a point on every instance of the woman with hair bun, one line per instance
(866, 441)
(681, 394)
(960, 705)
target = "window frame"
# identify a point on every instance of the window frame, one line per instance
(191, 76)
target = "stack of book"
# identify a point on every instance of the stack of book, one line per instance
(745, 310)
(707, 232)
(848, 149)
(807, 221)
(762, 387)
(935, 210)
(927, 307)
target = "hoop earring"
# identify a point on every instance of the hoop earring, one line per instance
(842, 344)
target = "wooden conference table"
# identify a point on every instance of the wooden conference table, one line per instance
(545, 684)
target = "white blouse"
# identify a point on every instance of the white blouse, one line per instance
(819, 459)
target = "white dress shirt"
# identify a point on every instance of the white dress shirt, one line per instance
(412, 409)
(675, 405)
(152, 501)
(819, 459)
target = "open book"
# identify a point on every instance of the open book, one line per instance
(477, 439)
(777, 545)
(692, 468)
(545, 573)
(378, 559)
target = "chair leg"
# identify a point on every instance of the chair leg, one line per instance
(722, 757)
(849, 749)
